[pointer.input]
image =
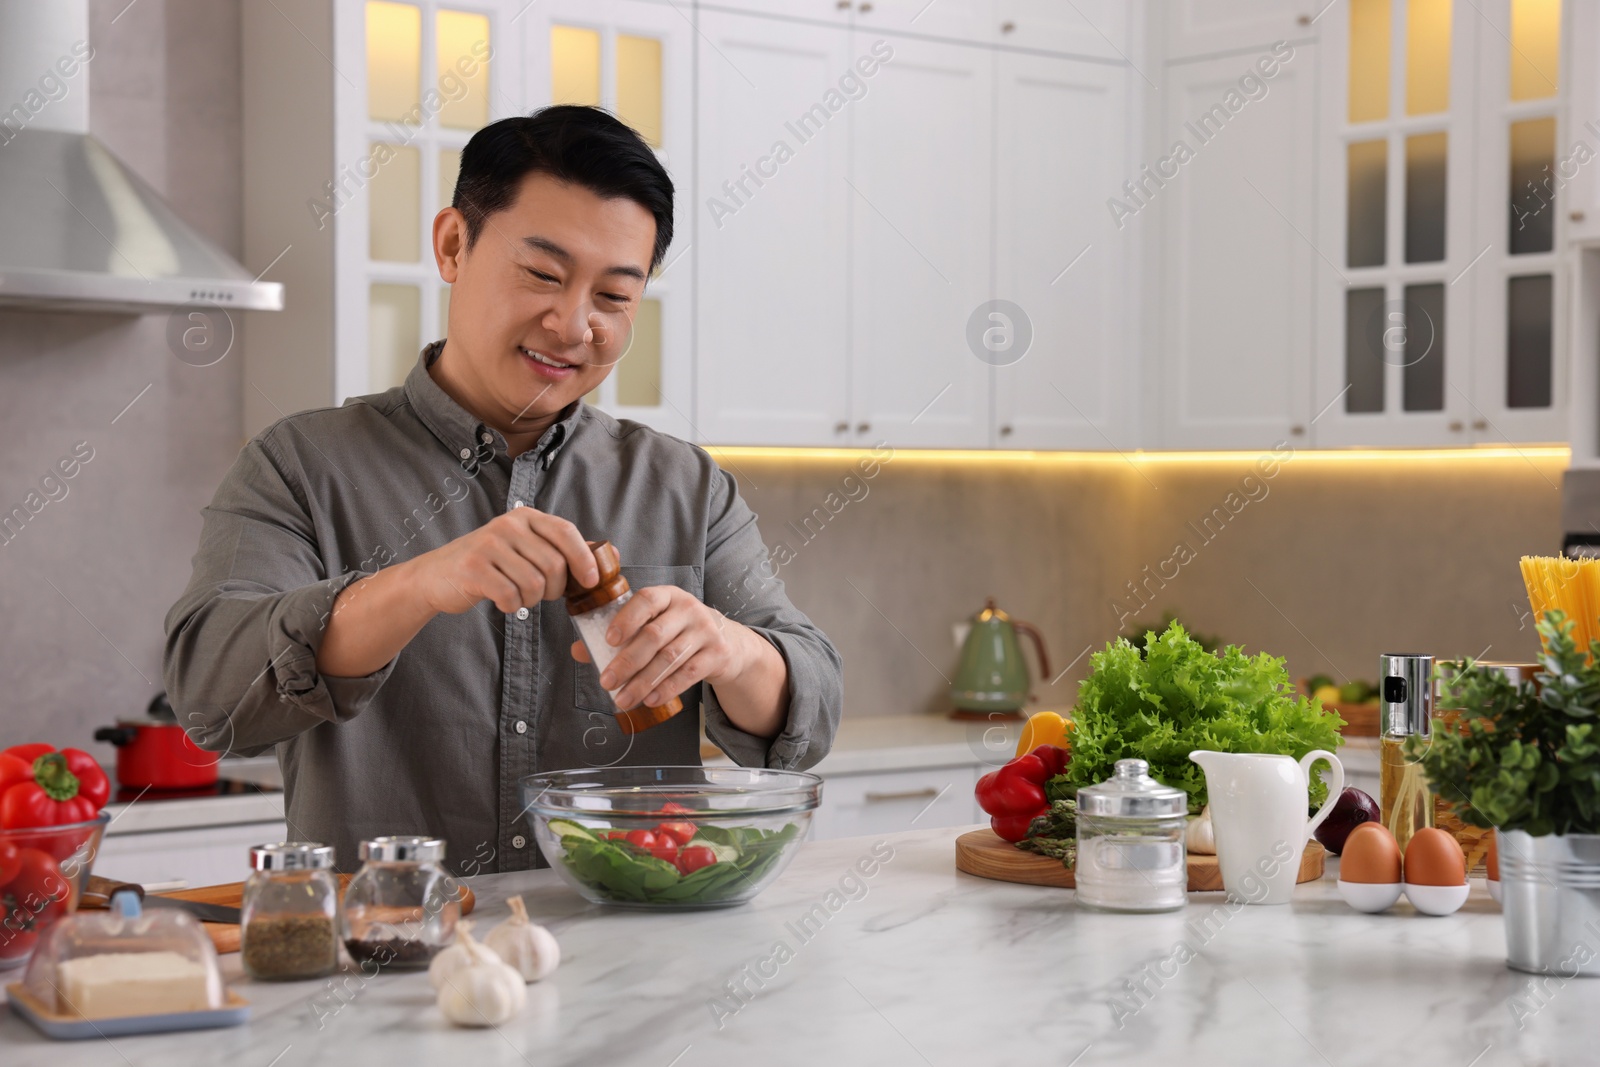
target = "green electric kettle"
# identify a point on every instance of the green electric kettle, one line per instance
(992, 678)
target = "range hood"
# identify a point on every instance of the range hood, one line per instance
(78, 229)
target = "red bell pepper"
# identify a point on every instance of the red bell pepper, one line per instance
(1054, 759)
(49, 788)
(1013, 796)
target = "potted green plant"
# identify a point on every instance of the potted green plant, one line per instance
(1524, 759)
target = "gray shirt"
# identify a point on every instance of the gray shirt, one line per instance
(436, 740)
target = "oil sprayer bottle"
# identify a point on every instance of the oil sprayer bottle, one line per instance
(592, 610)
(1405, 802)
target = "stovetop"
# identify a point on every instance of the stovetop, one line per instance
(222, 787)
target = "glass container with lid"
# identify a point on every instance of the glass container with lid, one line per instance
(402, 907)
(288, 923)
(1130, 842)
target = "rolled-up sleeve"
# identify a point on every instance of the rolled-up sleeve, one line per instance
(242, 641)
(741, 581)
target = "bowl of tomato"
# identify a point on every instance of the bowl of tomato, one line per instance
(43, 873)
(670, 837)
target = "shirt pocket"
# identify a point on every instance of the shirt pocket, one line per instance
(587, 693)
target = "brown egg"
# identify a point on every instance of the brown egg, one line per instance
(1434, 857)
(1370, 855)
(1492, 860)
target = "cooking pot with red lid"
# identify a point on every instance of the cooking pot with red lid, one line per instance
(154, 752)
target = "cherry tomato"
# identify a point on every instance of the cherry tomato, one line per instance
(10, 862)
(673, 808)
(642, 838)
(692, 859)
(680, 832)
(35, 898)
(616, 835)
(665, 849)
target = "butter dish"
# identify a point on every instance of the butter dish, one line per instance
(126, 971)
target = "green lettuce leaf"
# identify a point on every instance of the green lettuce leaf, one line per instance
(1176, 698)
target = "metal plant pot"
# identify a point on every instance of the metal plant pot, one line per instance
(1550, 893)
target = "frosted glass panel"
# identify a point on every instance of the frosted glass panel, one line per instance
(393, 334)
(1533, 210)
(574, 66)
(639, 85)
(1366, 203)
(394, 224)
(1423, 349)
(449, 171)
(1535, 48)
(1427, 56)
(1369, 60)
(462, 49)
(639, 373)
(1528, 316)
(1363, 350)
(1425, 197)
(394, 61)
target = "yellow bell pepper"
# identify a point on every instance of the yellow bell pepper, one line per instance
(1044, 728)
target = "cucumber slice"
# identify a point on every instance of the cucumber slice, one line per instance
(567, 828)
(724, 852)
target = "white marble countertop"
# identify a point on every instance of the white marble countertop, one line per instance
(919, 964)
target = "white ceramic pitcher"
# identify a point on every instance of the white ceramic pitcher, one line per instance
(1258, 816)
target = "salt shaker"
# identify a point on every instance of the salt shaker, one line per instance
(1130, 842)
(592, 610)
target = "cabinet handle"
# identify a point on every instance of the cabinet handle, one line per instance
(1456, 426)
(908, 794)
(1007, 27)
(843, 5)
(1576, 216)
(1297, 430)
(1480, 424)
(1005, 431)
(863, 427)
(841, 427)
(866, 7)
(1304, 20)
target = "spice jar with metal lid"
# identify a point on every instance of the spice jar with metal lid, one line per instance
(1130, 842)
(402, 907)
(592, 608)
(288, 922)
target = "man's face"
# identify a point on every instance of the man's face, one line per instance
(542, 305)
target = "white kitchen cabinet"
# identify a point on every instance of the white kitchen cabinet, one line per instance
(854, 805)
(1204, 27)
(1058, 257)
(920, 246)
(1102, 28)
(1238, 263)
(771, 223)
(204, 856)
(834, 11)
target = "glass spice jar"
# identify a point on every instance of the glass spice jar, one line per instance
(1130, 842)
(288, 921)
(402, 907)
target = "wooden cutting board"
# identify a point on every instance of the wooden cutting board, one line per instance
(983, 853)
(231, 895)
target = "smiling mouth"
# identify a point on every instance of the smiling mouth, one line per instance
(547, 361)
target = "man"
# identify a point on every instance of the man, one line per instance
(378, 588)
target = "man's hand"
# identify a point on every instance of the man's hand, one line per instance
(669, 641)
(515, 560)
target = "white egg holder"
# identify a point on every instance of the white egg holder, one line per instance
(1373, 897)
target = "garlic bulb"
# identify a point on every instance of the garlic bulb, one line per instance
(480, 991)
(1198, 837)
(463, 953)
(525, 947)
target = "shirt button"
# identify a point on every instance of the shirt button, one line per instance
(519, 841)
(518, 504)
(487, 437)
(466, 453)
(522, 727)
(522, 613)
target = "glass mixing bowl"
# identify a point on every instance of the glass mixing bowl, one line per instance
(43, 872)
(670, 837)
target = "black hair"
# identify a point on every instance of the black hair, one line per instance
(580, 145)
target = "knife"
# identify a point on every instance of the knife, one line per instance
(100, 890)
